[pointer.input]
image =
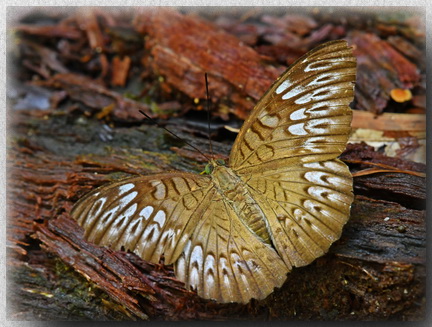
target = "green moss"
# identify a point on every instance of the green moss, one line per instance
(57, 292)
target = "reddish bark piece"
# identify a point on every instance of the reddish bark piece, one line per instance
(362, 151)
(184, 47)
(408, 144)
(381, 68)
(120, 70)
(95, 95)
(47, 57)
(88, 22)
(408, 49)
(59, 30)
(298, 24)
(280, 53)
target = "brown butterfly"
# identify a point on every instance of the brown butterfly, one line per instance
(234, 233)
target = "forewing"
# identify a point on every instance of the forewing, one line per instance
(148, 215)
(306, 205)
(225, 261)
(304, 116)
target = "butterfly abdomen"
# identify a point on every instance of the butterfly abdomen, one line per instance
(237, 195)
(254, 218)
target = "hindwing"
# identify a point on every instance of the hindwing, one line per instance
(148, 215)
(306, 206)
(225, 261)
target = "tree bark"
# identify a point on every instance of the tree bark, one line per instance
(375, 271)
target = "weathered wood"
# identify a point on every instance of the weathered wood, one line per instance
(389, 121)
(235, 70)
(374, 59)
(375, 257)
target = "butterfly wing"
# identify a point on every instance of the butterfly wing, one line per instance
(183, 217)
(303, 117)
(148, 215)
(286, 153)
(225, 261)
(306, 207)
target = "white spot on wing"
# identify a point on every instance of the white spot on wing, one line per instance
(315, 192)
(324, 194)
(304, 99)
(209, 263)
(124, 188)
(146, 212)
(297, 129)
(194, 277)
(127, 199)
(298, 214)
(282, 87)
(298, 114)
(187, 247)
(315, 176)
(315, 165)
(334, 165)
(270, 121)
(210, 281)
(316, 95)
(240, 267)
(98, 204)
(197, 255)
(181, 268)
(134, 223)
(316, 65)
(253, 266)
(130, 211)
(235, 258)
(160, 189)
(120, 222)
(323, 78)
(196, 260)
(224, 266)
(293, 92)
(160, 218)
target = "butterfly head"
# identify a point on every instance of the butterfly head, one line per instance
(209, 168)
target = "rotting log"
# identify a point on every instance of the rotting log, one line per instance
(375, 271)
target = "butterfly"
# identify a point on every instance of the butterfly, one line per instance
(235, 232)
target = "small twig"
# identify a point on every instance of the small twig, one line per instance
(362, 269)
(386, 169)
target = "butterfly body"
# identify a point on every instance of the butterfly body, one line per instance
(237, 195)
(234, 233)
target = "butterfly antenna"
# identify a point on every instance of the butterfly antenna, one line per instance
(158, 125)
(208, 113)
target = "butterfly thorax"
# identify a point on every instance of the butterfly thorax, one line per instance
(236, 193)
